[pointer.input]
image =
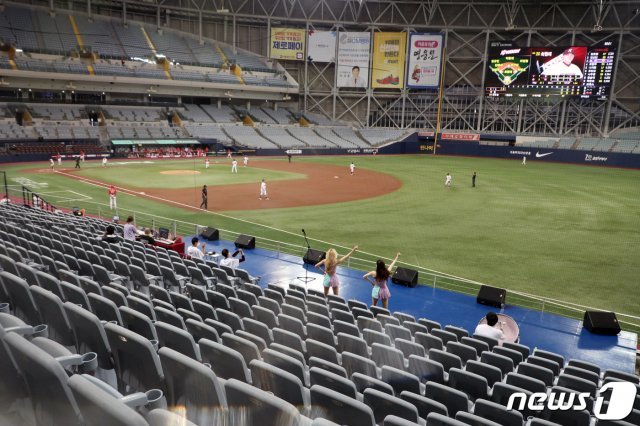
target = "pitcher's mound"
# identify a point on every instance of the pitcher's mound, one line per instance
(180, 172)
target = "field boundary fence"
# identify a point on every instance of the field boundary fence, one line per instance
(363, 261)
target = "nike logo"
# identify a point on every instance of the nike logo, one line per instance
(538, 155)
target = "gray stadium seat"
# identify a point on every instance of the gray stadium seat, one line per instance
(453, 399)
(409, 348)
(540, 373)
(354, 363)
(504, 363)
(428, 341)
(474, 385)
(400, 380)
(338, 408)
(386, 355)
(489, 372)
(545, 363)
(318, 376)
(321, 334)
(391, 420)
(437, 419)
(193, 387)
(328, 366)
(138, 323)
(258, 328)
(445, 336)
(516, 356)
(550, 355)
(447, 360)
(466, 353)
(363, 382)
(99, 407)
(104, 309)
(370, 323)
(280, 383)
(46, 381)
(288, 339)
(526, 382)
(427, 370)
(286, 363)
(423, 404)
(249, 405)
(225, 362)
(177, 339)
(200, 330)
(372, 337)
(53, 314)
(472, 419)
(488, 340)
(265, 316)
(136, 362)
(458, 331)
(246, 348)
(497, 413)
(321, 350)
(383, 404)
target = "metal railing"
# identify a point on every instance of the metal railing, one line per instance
(361, 261)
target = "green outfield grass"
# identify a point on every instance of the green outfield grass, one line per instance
(144, 175)
(560, 231)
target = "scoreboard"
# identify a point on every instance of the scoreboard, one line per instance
(572, 71)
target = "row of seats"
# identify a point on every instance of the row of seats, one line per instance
(365, 358)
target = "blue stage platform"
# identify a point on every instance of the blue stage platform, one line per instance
(537, 329)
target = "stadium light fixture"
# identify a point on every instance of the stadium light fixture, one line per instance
(3, 82)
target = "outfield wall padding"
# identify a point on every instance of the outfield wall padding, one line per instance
(591, 158)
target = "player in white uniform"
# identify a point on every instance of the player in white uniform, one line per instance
(263, 190)
(245, 161)
(51, 162)
(447, 180)
(524, 160)
(104, 161)
(563, 65)
(234, 166)
(352, 168)
(206, 163)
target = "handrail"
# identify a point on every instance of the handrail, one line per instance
(427, 276)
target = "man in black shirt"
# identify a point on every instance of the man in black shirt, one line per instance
(473, 180)
(205, 198)
(77, 162)
(147, 238)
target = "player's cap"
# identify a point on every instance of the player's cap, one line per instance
(568, 51)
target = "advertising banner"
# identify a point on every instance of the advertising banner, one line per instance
(322, 46)
(461, 136)
(388, 60)
(353, 59)
(287, 44)
(425, 60)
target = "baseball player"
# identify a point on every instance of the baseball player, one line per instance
(112, 198)
(59, 160)
(447, 180)
(51, 162)
(352, 168)
(104, 161)
(206, 163)
(524, 160)
(245, 161)
(263, 190)
(234, 166)
(228, 153)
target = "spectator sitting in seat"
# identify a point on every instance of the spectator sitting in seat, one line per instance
(230, 260)
(488, 329)
(194, 252)
(147, 238)
(110, 235)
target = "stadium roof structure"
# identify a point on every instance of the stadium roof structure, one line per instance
(453, 14)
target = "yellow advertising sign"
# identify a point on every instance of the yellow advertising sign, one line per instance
(389, 55)
(287, 44)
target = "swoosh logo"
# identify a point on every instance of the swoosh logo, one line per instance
(538, 155)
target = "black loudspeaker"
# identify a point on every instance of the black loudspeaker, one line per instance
(210, 234)
(405, 276)
(245, 242)
(492, 296)
(19, 117)
(313, 256)
(601, 322)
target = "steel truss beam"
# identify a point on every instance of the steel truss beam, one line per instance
(468, 24)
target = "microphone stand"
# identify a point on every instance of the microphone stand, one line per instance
(306, 279)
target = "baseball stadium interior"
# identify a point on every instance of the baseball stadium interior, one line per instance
(100, 329)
